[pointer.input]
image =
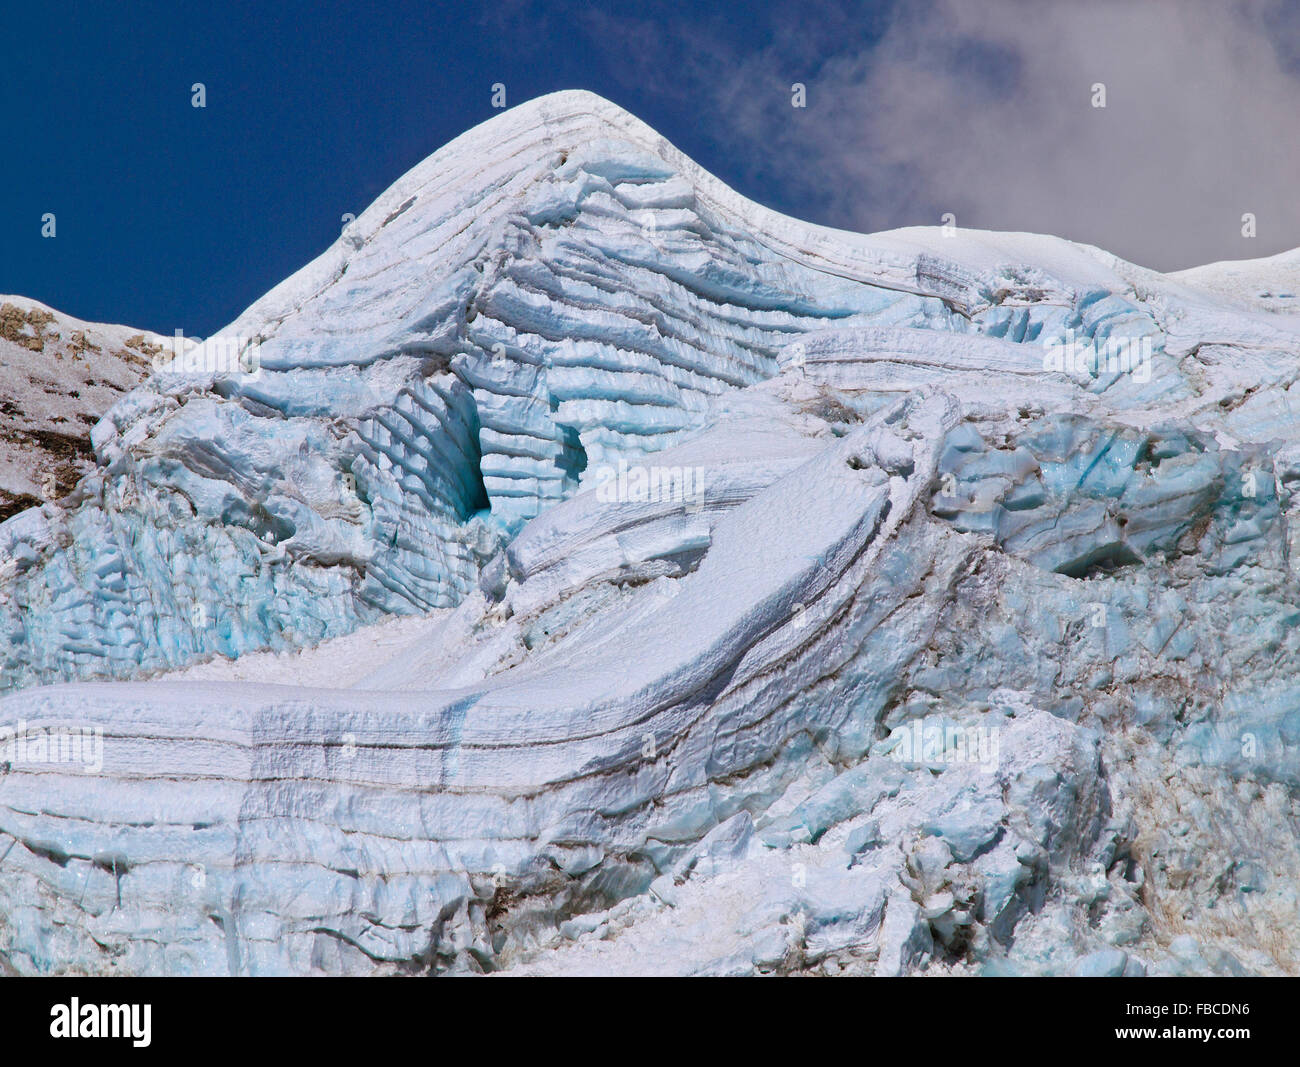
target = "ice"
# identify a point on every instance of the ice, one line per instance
(695, 513)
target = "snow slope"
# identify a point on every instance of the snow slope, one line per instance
(703, 512)
(1272, 283)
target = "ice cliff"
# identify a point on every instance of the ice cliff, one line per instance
(806, 601)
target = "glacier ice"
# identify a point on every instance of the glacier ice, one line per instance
(719, 508)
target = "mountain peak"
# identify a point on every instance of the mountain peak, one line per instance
(716, 525)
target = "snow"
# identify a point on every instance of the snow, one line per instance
(340, 662)
(1271, 283)
(430, 663)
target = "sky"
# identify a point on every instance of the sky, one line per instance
(168, 216)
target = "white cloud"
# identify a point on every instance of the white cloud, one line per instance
(984, 109)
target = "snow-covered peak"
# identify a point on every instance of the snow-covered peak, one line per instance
(714, 521)
(554, 138)
(553, 293)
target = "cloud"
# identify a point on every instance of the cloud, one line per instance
(985, 110)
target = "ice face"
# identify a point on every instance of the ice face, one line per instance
(548, 295)
(495, 325)
(753, 533)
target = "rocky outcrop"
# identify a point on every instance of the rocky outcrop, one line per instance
(58, 375)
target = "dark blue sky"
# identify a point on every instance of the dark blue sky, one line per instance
(171, 217)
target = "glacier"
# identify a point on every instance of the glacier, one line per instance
(708, 512)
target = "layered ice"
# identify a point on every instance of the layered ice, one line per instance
(799, 601)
